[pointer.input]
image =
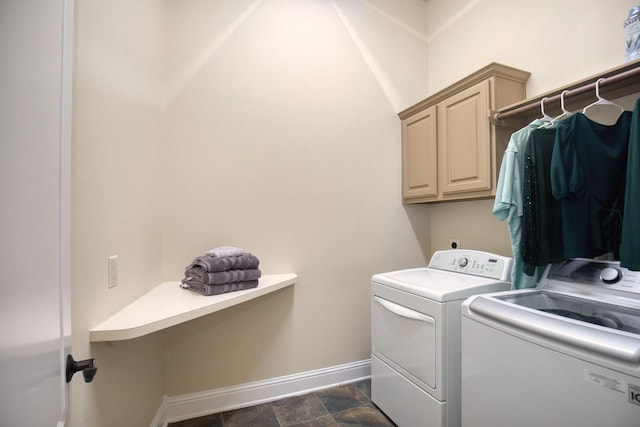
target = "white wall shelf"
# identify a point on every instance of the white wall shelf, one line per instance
(168, 305)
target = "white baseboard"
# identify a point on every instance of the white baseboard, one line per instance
(192, 405)
(160, 419)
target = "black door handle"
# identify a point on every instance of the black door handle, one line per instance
(86, 366)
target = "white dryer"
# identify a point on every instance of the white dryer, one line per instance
(415, 355)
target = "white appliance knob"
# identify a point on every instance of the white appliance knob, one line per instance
(610, 275)
(462, 262)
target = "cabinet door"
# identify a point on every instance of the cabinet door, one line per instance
(419, 155)
(465, 141)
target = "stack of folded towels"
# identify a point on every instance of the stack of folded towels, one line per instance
(222, 269)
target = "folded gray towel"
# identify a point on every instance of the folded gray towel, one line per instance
(197, 274)
(209, 290)
(214, 264)
(225, 251)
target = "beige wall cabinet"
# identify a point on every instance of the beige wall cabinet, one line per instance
(450, 148)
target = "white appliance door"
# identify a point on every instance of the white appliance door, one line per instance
(406, 339)
(34, 273)
(403, 401)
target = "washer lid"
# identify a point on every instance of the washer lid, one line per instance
(439, 285)
(599, 313)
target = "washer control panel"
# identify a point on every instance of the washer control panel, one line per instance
(476, 263)
(598, 274)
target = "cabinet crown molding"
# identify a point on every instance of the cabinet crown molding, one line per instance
(492, 70)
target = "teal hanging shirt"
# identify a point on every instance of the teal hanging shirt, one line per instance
(630, 248)
(588, 173)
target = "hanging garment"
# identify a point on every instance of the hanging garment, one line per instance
(508, 203)
(541, 216)
(630, 248)
(588, 172)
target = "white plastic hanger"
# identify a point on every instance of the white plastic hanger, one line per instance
(545, 117)
(601, 101)
(565, 113)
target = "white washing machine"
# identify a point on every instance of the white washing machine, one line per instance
(415, 355)
(566, 353)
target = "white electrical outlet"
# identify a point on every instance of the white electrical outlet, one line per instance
(113, 271)
(454, 244)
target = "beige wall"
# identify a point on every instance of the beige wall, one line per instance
(282, 138)
(275, 129)
(271, 125)
(116, 205)
(557, 41)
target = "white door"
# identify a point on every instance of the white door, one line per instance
(35, 89)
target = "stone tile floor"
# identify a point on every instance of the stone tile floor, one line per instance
(340, 406)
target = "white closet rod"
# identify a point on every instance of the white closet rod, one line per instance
(531, 106)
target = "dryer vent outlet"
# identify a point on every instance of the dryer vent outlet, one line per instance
(454, 244)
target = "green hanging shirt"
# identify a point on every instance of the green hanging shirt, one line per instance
(541, 216)
(508, 202)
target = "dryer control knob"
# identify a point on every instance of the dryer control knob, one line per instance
(610, 275)
(462, 262)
